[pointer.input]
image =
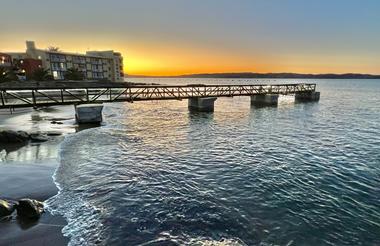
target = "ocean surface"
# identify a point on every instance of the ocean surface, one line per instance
(296, 174)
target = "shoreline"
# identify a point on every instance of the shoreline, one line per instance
(35, 182)
(27, 171)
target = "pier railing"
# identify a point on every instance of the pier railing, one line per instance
(33, 96)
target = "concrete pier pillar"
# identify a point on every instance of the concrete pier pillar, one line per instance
(202, 104)
(264, 100)
(307, 96)
(88, 113)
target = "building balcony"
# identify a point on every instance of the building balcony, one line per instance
(56, 59)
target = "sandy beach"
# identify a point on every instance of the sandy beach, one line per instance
(35, 182)
(27, 172)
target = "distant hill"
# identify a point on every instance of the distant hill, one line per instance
(269, 75)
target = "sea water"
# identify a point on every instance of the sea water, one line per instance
(296, 174)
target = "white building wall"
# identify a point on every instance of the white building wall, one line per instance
(95, 65)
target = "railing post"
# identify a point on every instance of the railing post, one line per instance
(62, 95)
(2, 98)
(33, 98)
(130, 94)
(87, 96)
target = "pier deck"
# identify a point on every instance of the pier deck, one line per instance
(33, 94)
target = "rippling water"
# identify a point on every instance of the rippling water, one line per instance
(295, 174)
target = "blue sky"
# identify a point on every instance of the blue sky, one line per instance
(186, 36)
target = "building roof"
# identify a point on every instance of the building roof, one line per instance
(73, 54)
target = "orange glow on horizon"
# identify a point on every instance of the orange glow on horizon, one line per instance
(157, 59)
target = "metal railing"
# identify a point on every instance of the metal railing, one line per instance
(45, 96)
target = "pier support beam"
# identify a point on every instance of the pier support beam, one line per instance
(307, 96)
(264, 100)
(202, 104)
(88, 113)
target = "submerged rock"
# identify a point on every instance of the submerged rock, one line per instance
(31, 209)
(9, 136)
(6, 208)
(53, 133)
(56, 122)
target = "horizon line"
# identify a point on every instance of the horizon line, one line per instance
(256, 73)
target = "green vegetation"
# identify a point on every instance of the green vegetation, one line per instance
(41, 74)
(73, 74)
(7, 75)
(54, 49)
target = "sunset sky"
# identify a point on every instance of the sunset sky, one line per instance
(171, 37)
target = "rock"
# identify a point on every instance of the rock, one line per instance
(24, 135)
(36, 137)
(53, 134)
(56, 122)
(28, 208)
(59, 119)
(9, 136)
(6, 208)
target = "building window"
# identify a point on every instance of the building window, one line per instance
(58, 74)
(55, 74)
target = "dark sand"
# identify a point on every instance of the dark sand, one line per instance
(33, 182)
(26, 172)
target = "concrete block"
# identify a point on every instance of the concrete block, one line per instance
(264, 100)
(202, 104)
(308, 96)
(89, 113)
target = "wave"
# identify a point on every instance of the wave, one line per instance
(84, 225)
(156, 174)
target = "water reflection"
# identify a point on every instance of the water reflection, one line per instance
(36, 121)
(195, 117)
(31, 153)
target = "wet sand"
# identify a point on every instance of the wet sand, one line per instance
(35, 182)
(26, 172)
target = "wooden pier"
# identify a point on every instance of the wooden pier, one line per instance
(36, 94)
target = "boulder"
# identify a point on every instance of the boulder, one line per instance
(6, 208)
(28, 208)
(23, 135)
(36, 137)
(9, 136)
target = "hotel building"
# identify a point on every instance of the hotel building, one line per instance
(95, 65)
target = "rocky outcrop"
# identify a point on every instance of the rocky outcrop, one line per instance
(28, 208)
(38, 138)
(21, 137)
(9, 136)
(6, 208)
